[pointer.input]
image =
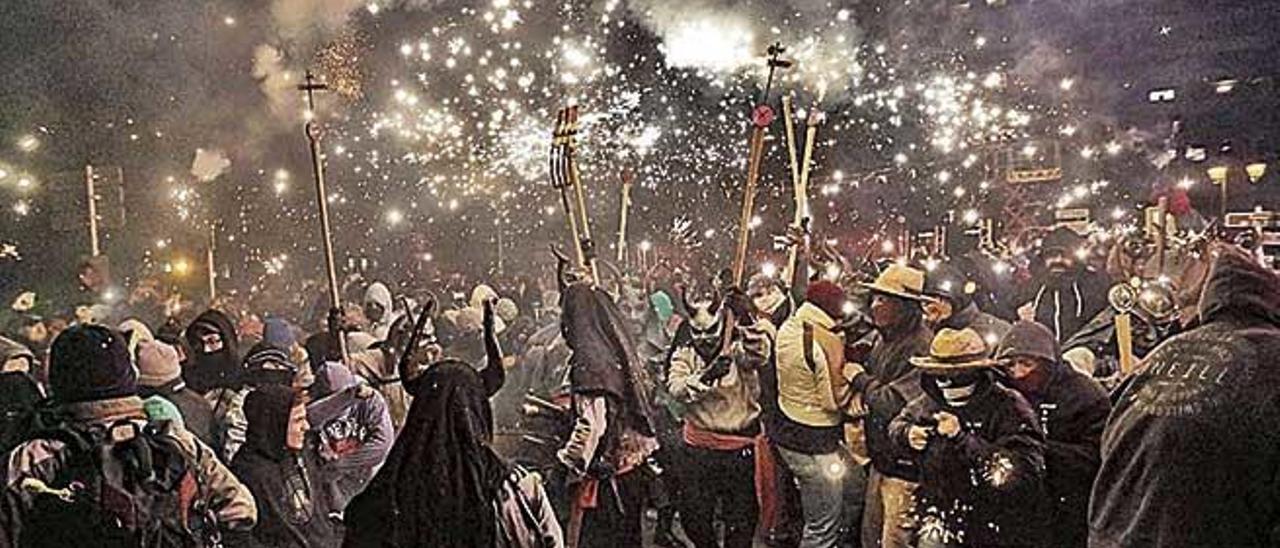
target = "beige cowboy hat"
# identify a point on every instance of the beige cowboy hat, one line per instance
(955, 350)
(900, 281)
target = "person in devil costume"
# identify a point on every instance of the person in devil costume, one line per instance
(613, 433)
(443, 484)
(721, 394)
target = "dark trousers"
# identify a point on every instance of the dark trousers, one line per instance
(724, 479)
(616, 521)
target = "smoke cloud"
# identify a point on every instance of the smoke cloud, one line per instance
(208, 165)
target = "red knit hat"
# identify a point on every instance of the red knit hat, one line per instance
(827, 296)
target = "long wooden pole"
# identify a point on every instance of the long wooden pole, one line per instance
(212, 268)
(322, 202)
(93, 210)
(575, 180)
(622, 219)
(801, 187)
(756, 149)
(761, 116)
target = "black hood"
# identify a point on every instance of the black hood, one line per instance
(1240, 288)
(604, 358)
(442, 475)
(221, 369)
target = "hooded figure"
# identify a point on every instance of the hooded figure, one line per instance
(613, 414)
(379, 310)
(443, 485)
(979, 450)
(1072, 409)
(1188, 450)
(215, 359)
(353, 427)
(294, 508)
(19, 392)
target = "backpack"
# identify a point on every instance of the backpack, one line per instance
(123, 485)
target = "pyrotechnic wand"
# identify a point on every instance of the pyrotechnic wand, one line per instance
(761, 117)
(564, 175)
(317, 168)
(801, 185)
(627, 179)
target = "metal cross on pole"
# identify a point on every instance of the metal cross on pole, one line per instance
(310, 86)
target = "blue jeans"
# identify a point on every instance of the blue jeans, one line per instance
(831, 491)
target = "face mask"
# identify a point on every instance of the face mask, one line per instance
(956, 391)
(957, 396)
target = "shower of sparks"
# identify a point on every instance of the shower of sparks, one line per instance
(440, 120)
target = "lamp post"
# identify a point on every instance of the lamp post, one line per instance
(1219, 175)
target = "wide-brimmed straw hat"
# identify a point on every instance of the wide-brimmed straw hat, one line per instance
(900, 281)
(955, 350)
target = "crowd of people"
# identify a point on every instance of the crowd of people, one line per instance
(1095, 402)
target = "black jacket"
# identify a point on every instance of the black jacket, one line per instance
(986, 483)
(1066, 305)
(1072, 410)
(1191, 450)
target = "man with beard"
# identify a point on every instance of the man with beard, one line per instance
(886, 383)
(1072, 409)
(1069, 292)
(720, 392)
(1189, 450)
(978, 447)
(953, 305)
(613, 412)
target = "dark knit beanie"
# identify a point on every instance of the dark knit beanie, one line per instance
(827, 296)
(1029, 339)
(89, 363)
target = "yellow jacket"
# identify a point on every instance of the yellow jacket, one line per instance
(805, 394)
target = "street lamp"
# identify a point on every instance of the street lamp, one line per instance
(1220, 175)
(1255, 170)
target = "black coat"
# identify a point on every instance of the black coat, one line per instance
(986, 483)
(1191, 451)
(1072, 411)
(1066, 305)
